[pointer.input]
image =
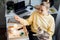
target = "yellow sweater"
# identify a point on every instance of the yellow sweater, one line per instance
(45, 22)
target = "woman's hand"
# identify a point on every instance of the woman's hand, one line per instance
(21, 20)
(17, 18)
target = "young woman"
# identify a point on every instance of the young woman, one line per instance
(40, 18)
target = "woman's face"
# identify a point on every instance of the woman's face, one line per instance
(43, 9)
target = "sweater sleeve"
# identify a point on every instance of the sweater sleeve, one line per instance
(27, 21)
(51, 28)
(30, 19)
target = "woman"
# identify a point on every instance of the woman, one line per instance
(39, 19)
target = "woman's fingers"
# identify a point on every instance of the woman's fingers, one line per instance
(17, 17)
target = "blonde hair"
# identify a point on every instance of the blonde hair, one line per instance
(47, 0)
(46, 4)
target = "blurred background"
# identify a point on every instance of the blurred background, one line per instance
(55, 5)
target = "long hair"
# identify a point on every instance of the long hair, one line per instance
(50, 1)
(46, 4)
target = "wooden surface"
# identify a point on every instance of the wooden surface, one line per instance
(17, 35)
